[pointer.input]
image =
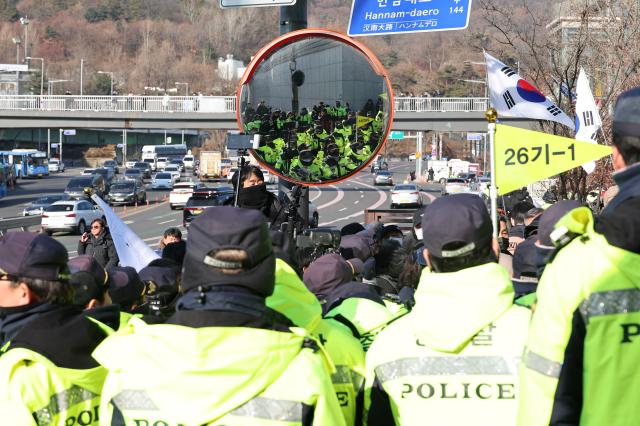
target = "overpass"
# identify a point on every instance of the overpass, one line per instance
(217, 112)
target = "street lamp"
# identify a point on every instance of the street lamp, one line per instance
(25, 23)
(50, 84)
(41, 74)
(110, 75)
(186, 88)
(17, 42)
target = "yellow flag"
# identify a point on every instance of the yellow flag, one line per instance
(362, 120)
(525, 156)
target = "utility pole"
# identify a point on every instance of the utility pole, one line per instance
(294, 18)
(81, 75)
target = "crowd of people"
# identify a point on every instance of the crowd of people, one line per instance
(438, 324)
(323, 143)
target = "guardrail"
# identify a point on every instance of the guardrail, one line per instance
(203, 104)
(19, 222)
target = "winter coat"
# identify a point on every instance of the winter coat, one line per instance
(100, 248)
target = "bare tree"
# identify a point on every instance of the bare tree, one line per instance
(552, 44)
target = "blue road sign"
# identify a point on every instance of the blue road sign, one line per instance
(376, 17)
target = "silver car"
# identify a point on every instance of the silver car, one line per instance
(36, 207)
(383, 178)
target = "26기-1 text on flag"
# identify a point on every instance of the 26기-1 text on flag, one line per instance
(525, 156)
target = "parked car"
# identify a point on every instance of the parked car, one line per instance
(188, 161)
(174, 170)
(181, 193)
(145, 167)
(382, 178)
(455, 186)
(127, 192)
(87, 172)
(133, 174)
(163, 180)
(70, 216)
(203, 199)
(129, 163)
(56, 165)
(407, 194)
(111, 164)
(78, 186)
(36, 207)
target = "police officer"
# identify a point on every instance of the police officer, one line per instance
(47, 373)
(453, 358)
(264, 370)
(583, 346)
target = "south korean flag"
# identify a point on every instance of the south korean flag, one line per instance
(513, 96)
(588, 120)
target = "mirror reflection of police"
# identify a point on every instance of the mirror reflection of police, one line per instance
(253, 194)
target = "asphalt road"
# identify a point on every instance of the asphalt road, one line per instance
(337, 204)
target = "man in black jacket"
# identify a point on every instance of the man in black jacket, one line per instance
(99, 245)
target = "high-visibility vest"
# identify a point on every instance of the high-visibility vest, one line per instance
(291, 298)
(593, 288)
(476, 386)
(34, 391)
(170, 374)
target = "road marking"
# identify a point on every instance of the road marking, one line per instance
(128, 222)
(337, 199)
(382, 198)
(342, 209)
(356, 202)
(361, 195)
(316, 195)
(166, 221)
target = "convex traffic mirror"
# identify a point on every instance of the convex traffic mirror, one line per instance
(320, 103)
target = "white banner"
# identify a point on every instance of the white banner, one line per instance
(131, 250)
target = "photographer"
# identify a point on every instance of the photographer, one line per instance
(99, 245)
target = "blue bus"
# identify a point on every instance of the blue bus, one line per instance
(27, 163)
(4, 172)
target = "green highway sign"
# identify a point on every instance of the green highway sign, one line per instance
(396, 135)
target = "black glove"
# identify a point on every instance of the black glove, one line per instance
(406, 297)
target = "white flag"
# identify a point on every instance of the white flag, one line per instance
(131, 250)
(513, 96)
(588, 120)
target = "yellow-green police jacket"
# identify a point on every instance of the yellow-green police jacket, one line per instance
(581, 360)
(174, 375)
(292, 299)
(453, 359)
(34, 391)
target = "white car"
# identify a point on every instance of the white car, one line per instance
(188, 161)
(87, 172)
(70, 216)
(182, 192)
(455, 186)
(269, 178)
(174, 170)
(56, 165)
(161, 163)
(163, 180)
(407, 194)
(130, 163)
(232, 171)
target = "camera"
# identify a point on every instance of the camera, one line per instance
(316, 242)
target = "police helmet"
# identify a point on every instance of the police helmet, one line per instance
(306, 157)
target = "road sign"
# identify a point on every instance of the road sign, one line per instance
(375, 17)
(69, 132)
(474, 136)
(418, 154)
(255, 3)
(396, 135)
(54, 145)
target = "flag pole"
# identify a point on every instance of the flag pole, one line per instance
(491, 116)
